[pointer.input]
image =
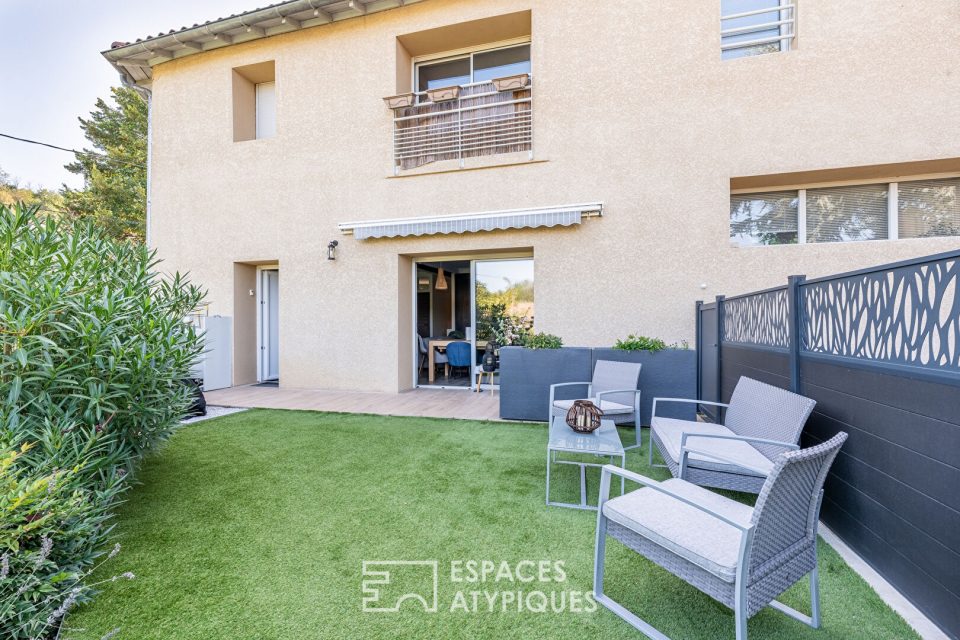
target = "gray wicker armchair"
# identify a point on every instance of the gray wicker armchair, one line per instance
(740, 556)
(760, 422)
(614, 389)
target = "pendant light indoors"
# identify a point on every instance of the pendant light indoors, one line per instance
(441, 281)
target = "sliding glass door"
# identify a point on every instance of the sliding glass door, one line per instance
(477, 302)
(503, 302)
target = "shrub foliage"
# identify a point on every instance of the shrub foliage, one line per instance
(93, 354)
(640, 343)
(542, 341)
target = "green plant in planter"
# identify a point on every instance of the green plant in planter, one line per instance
(640, 343)
(542, 341)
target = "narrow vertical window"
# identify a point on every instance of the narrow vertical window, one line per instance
(254, 101)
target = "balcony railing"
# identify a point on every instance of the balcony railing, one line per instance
(480, 121)
(759, 30)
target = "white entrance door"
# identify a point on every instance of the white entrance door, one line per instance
(269, 334)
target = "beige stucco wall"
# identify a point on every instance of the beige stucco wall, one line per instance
(633, 106)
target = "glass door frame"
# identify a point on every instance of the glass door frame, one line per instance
(473, 260)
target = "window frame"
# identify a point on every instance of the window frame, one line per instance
(786, 25)
(893, 206)
(461, 54)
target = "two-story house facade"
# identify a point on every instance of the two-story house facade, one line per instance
(607, 164)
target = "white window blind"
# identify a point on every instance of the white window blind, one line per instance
(266, 110)
(764, 218)
(847, 214)
(929, 208)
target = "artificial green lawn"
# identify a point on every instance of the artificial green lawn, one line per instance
(255, 525)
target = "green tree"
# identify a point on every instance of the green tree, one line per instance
(11, 192)
(114, 171)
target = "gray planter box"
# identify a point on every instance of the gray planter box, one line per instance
(526, 376)
(671, 373)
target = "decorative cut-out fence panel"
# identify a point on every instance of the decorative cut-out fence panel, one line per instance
(905, 315)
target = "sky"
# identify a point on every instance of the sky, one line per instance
(53, 72)
(498, 275)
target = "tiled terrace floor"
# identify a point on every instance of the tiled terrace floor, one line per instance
(434, 403)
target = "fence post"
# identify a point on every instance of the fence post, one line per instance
(720, 312)
(794, 309)
(698, 346)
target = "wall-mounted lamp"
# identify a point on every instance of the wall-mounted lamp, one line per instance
(332, 250)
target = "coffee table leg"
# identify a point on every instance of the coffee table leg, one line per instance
(583, 485)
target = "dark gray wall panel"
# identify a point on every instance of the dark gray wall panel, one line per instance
(526, 376)
(939, 603)
(671, 373)
(930, 437)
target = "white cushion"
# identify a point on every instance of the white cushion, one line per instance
(670, 431)
(606, 406)
(699, 537)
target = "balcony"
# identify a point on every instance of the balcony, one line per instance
(479, 119)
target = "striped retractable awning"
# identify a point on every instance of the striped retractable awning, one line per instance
(564, 215)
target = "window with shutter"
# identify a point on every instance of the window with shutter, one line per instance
(764, 218)
(266, 110)
(929, 208)
(847, 214)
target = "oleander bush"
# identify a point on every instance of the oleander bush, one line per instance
(93, 353)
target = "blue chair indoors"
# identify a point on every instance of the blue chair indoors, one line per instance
(458, 355)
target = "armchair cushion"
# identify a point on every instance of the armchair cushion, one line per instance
(670, 432)
(607, 406)
(686, 531)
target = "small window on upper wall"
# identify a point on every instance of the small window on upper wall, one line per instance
(469, 68)
(929, 208)
(754, 27)
(764, 218)
(254, 102)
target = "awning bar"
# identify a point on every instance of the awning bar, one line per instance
(526, 218)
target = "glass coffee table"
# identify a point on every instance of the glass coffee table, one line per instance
(603, 443)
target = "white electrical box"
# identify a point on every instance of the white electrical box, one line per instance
(216, 366)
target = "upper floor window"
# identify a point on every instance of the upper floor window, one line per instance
(753, 27)
(469, 68)
(254, 101)
(848, 213)
(465, 106)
